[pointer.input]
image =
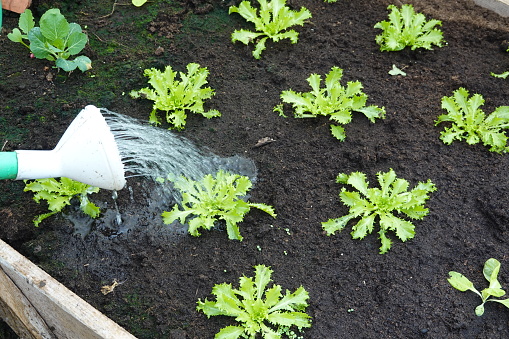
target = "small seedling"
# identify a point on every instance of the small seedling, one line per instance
(273, 22)
(407, 28)
(139, 3)
(176, 97)
(392, 197)
(396, 71)
(334, 100)
(55, 39)
(258, 309)
(59, 194)
(214, 198)
(471, 124)
(490, 272)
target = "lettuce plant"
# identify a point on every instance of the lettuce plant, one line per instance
(490, 272)
(393, 197)
(407, 28)
(471, 124)
(257, 308)
(334, 100)
(211, 199)
(59, 193)
(174, 96)
(273, 22)
(55, 39)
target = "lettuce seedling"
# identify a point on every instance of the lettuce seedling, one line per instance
(174, 96)
(407, 28)
(138, 3)
(58, 194)
(256, 308)
(490, 272)
(470, 123)
(335, 101)
(273, 22)
(212, 199)
(55, 39)
(393, 197)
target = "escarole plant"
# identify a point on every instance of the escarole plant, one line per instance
(59, 193)
(212, 199)
(55, 40)
(471, 124)
(384, 203)
(258, 308)
(176, 97)
(272, 22)
(490, 272)
(334, 100)
(407, 28)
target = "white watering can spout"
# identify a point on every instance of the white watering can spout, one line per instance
(87, 152)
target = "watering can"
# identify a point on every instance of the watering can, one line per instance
(87, 152)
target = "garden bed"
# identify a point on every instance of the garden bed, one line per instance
(352, 288)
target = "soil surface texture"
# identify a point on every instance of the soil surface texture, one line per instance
(354, 292)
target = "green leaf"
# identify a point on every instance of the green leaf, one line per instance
(501, 75)
(363, 227)
(460, 282)
(26, 21)
(244, 36)
(138, 3)
(15, 35)
(76, 42)
(333, 225)
(54, 25)
(298, 319)
(479, 310)
(66, 65)
(230, 332)
(490, 272)
(38, 44)
(396, 71)
(83, 63)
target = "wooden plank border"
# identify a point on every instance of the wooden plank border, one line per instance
(57, 312)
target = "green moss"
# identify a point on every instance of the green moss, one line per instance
(133, 312)
(217, 21)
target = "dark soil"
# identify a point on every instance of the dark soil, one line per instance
(355, 292)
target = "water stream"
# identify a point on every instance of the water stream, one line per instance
(150, 153)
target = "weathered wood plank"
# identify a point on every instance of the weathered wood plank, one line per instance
(499, 6)
(18, 313)
(66, 314)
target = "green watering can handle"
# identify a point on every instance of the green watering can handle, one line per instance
(8, 165)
